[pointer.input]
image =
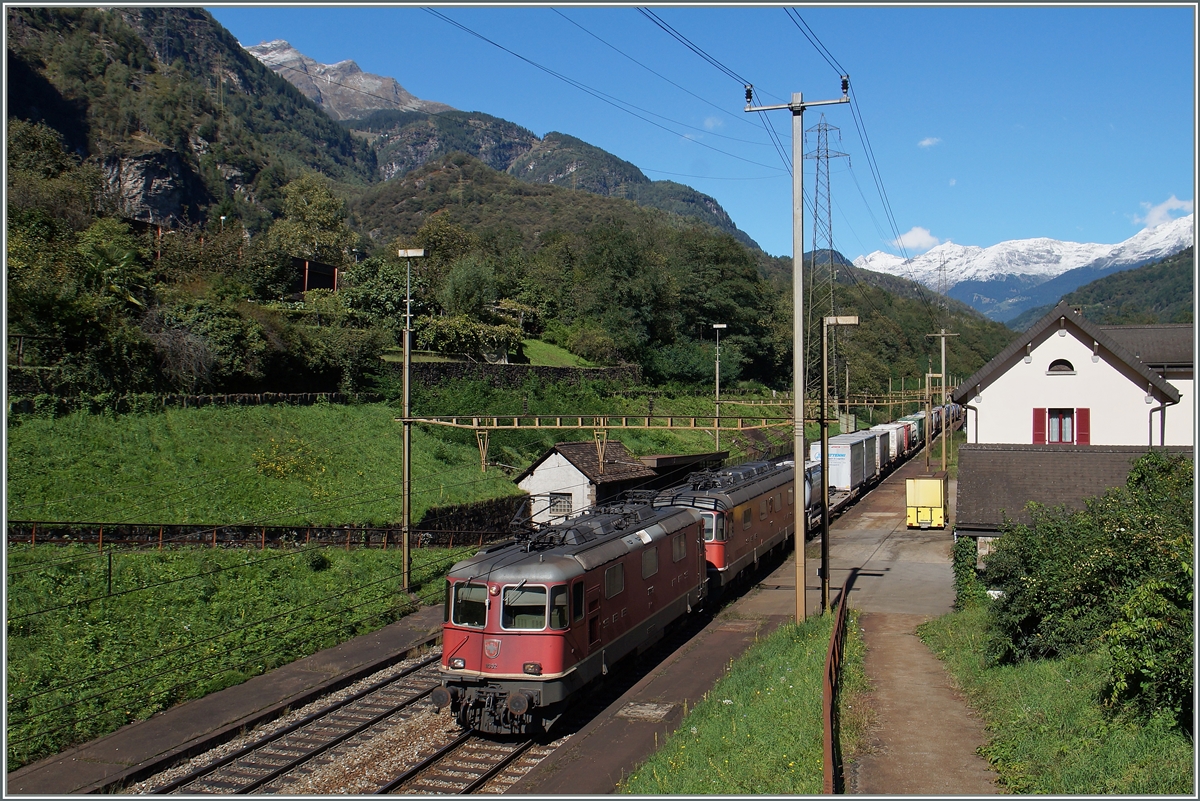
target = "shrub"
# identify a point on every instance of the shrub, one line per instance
(1116, 575)
(968, 589)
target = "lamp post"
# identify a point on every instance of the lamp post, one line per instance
(717, 420)
(828, 321)
(222, 223)
(405, 521)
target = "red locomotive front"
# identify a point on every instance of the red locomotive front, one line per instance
(531, 623)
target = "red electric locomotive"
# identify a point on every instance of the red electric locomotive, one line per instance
(531, 621)
(748, 510)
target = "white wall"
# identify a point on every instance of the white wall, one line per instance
(556, 474)
(1115, 394)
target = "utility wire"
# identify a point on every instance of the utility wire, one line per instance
(601, 96)
(679, 37)
(722, 109)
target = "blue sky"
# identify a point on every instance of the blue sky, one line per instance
(984, 124)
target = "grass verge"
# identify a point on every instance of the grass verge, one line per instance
(759, 730)
(83, 660)
(1048, 732)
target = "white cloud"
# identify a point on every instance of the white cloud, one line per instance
(953, 181)
(929, 141)
(918, 239)
(1163, 212)
(712, 123)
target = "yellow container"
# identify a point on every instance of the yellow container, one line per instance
(926, 499)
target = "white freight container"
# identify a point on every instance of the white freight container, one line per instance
(895, 440)
(852, 459)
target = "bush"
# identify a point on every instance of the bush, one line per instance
(968, 589)
(1115, 575)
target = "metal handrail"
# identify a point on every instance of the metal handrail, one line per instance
(834, 779)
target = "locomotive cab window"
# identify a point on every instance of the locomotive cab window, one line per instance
(523, 608)
(762, 509)
(614, 580)
(714, 528)
(746, 518)
(679, 548)
(649, 562)
(559, 614)
(469, 605)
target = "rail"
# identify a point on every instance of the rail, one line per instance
(834, 778)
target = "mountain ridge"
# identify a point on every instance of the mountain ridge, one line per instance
(342, 90)
(1007, 278)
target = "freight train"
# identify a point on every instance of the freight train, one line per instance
(532, 621)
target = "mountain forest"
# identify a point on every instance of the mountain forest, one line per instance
(167, 193)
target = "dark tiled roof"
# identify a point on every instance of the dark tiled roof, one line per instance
(1156, 345)
(995, 480)
(1063, 310)
(619, 463)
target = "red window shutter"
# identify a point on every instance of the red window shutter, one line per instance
(1083, 426)
(1039, 426)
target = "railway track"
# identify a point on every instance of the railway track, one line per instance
(467, 764)
(263, 761)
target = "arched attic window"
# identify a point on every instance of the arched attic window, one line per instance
(1060, 367)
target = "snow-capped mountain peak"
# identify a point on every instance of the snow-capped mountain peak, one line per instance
(1039, 258)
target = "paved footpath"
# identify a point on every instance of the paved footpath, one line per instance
(925, 737)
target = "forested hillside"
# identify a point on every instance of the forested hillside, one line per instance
(250, 180)
(1161, 292)
(407, 141)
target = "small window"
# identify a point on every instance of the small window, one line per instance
(762, 509)
(559, 615)
(679, 548)
(1061, 367)
(614, 580)
(523, 608)
(791, 496)
(1060, 426)
(560, 504)
(577, 600)
(470, 605)
(778, 502)
(649, 562)
(746, 518)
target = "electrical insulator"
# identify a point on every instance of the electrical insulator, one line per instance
(845, 84)
(749, 93)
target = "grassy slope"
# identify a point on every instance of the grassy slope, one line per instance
(281, 465)
(1047, 732)
(179, 623)
(277, 465)
(758, 731)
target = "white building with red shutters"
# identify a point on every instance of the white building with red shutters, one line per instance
(1068, 381)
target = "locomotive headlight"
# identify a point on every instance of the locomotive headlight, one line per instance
(533, 668)
(458, 663)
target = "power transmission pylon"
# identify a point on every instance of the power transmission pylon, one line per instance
(822, 277)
